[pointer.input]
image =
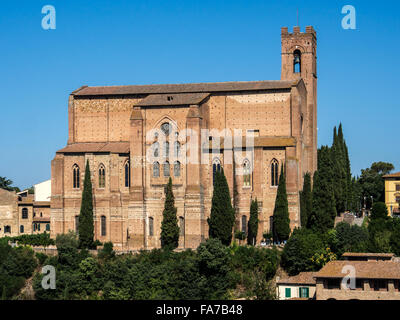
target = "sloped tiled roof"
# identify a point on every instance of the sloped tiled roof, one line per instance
(367, 254)
(363, 269)
(392, 175)
(186, 87)
(301, 278)
(113, 147)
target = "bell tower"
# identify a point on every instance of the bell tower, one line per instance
(299, 60)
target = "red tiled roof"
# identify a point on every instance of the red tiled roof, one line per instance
(392, 175)
(301, 278)
(113, 147)
(367, 254)
(186, 87)
(364, 269)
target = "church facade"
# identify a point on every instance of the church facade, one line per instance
(136, 137)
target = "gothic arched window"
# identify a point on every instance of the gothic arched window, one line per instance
(156, 149)
(177, 148)
(166, 169)
(102, 176)
(151, 226)
(156, 169)
(77, 224)
(181, 226)
(297, 61)
(7, 229)
(166, 149)
(244, 223)
(177, 169)
(103, 226)
(274, 172)
(24, 213)
(216, 167)
(21, 229)
(246, 173)
(127, 168)
(76, 177)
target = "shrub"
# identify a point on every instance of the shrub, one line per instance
(107, 252)
(41, 257)
(298, 251)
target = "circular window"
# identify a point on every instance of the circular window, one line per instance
(166, 128)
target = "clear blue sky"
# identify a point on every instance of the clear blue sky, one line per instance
(142, 42)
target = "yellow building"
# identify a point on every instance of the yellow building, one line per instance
(392, 192)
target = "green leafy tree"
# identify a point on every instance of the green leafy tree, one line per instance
(379, 211)
(281, 219)
(380, 232)
(338, 172)
(222, 216)
(350, 239)
(306, 200)
(299, 250)
(86, 225)
(253, 223)
(67, 247)
(214, 267)
(395, 237)
(322, 257)
(372, 184)
(169, 225)
(6, 184)
(107, 252)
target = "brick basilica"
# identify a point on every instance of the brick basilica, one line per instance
(136, 137)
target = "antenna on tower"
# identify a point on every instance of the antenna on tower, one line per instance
(298, 17)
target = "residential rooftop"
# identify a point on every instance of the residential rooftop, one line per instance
(363, 269)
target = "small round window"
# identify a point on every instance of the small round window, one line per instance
(166, 128)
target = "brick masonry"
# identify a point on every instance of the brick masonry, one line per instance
(284, 113)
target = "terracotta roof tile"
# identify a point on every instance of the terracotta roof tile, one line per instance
(301, 278)
(112, 147)
(364, 269)
(186, 88)
(367, 254)
(392, 175)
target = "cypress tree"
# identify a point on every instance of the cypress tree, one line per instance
(349, 183)
(86, 226)
(281, 211)
(343, 162)
(305, 200)
(323, 198)
(222, 216)
(338, 174)
(253, 223)
(169, 225)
